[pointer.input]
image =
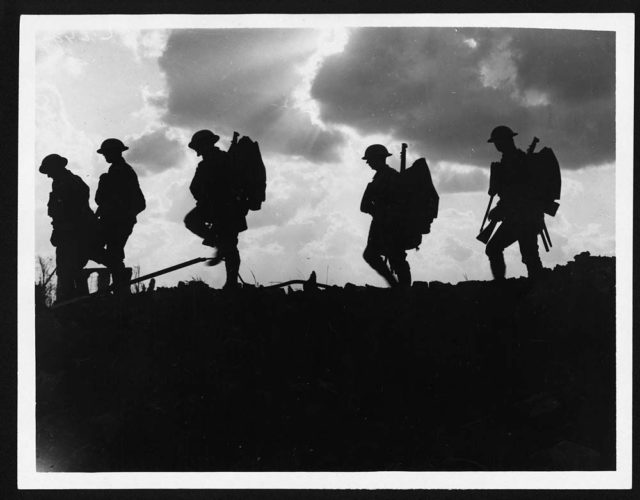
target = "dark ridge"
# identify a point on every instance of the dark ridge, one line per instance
(472, 376)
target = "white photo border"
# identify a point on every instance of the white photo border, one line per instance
(28, 477)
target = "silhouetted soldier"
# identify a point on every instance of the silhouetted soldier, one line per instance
(74, 226)
(119, 201)
(522, 215)
(219, 215)
(381, 201)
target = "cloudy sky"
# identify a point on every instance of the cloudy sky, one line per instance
(314, 99)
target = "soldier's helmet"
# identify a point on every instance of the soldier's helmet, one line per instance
(52, 161)
(375, 150)
(112, 144)
(203, 138)
(501, 132)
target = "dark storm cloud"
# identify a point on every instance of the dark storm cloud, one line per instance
(242, 79)
(155, 152)
(444, 89)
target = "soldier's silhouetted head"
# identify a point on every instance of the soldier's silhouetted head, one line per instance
(52, 165)
(502, 138)
(203, 141)
(376, 156)
(112, 149)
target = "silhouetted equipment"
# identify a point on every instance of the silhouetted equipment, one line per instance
(486, 232)
(546, 239)
(308, 285)
(132, 281)
(250, 169)
(547, 179)
(421, 201)
(403, 157)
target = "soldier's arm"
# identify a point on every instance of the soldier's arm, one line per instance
(101, 191)
(196, 186)
(367, 204)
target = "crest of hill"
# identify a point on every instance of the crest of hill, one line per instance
(476, 375)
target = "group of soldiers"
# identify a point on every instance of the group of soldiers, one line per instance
(519, 209)
(80, 235)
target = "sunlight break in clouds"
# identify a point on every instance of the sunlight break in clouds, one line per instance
(315, 99)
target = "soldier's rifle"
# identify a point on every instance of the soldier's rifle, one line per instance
(403, 157)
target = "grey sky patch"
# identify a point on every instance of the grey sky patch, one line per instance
(459, 252)
(451, 180)
(243, 79)
(155, 152)
(429, 86)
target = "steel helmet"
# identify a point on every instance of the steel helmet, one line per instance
(375, 150)
(52, 161)
(501, 132)
(203, 138)
(112, 145)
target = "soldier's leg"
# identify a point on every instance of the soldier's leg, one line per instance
(195, 222)
(117, 238)
(528, 241)
(373, 257)
(79, 278)
(228, 246)
(64, 273)
(399, 264)
(504, 236)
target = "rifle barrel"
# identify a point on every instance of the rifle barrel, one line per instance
(403, 157)
(486, 214)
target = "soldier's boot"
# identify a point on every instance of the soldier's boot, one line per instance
(216, 259)
(387, 274)
(403, 272)
(534, 269)
(498, 266)
(379, 266)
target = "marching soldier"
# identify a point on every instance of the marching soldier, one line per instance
(219, 214)
(119, 201)
(74, 226)
(382, 202)
(521, 213)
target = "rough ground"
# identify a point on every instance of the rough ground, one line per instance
(472, 376)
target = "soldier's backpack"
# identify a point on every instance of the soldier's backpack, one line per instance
(420, 203)
(250, 170)
(546, 179)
